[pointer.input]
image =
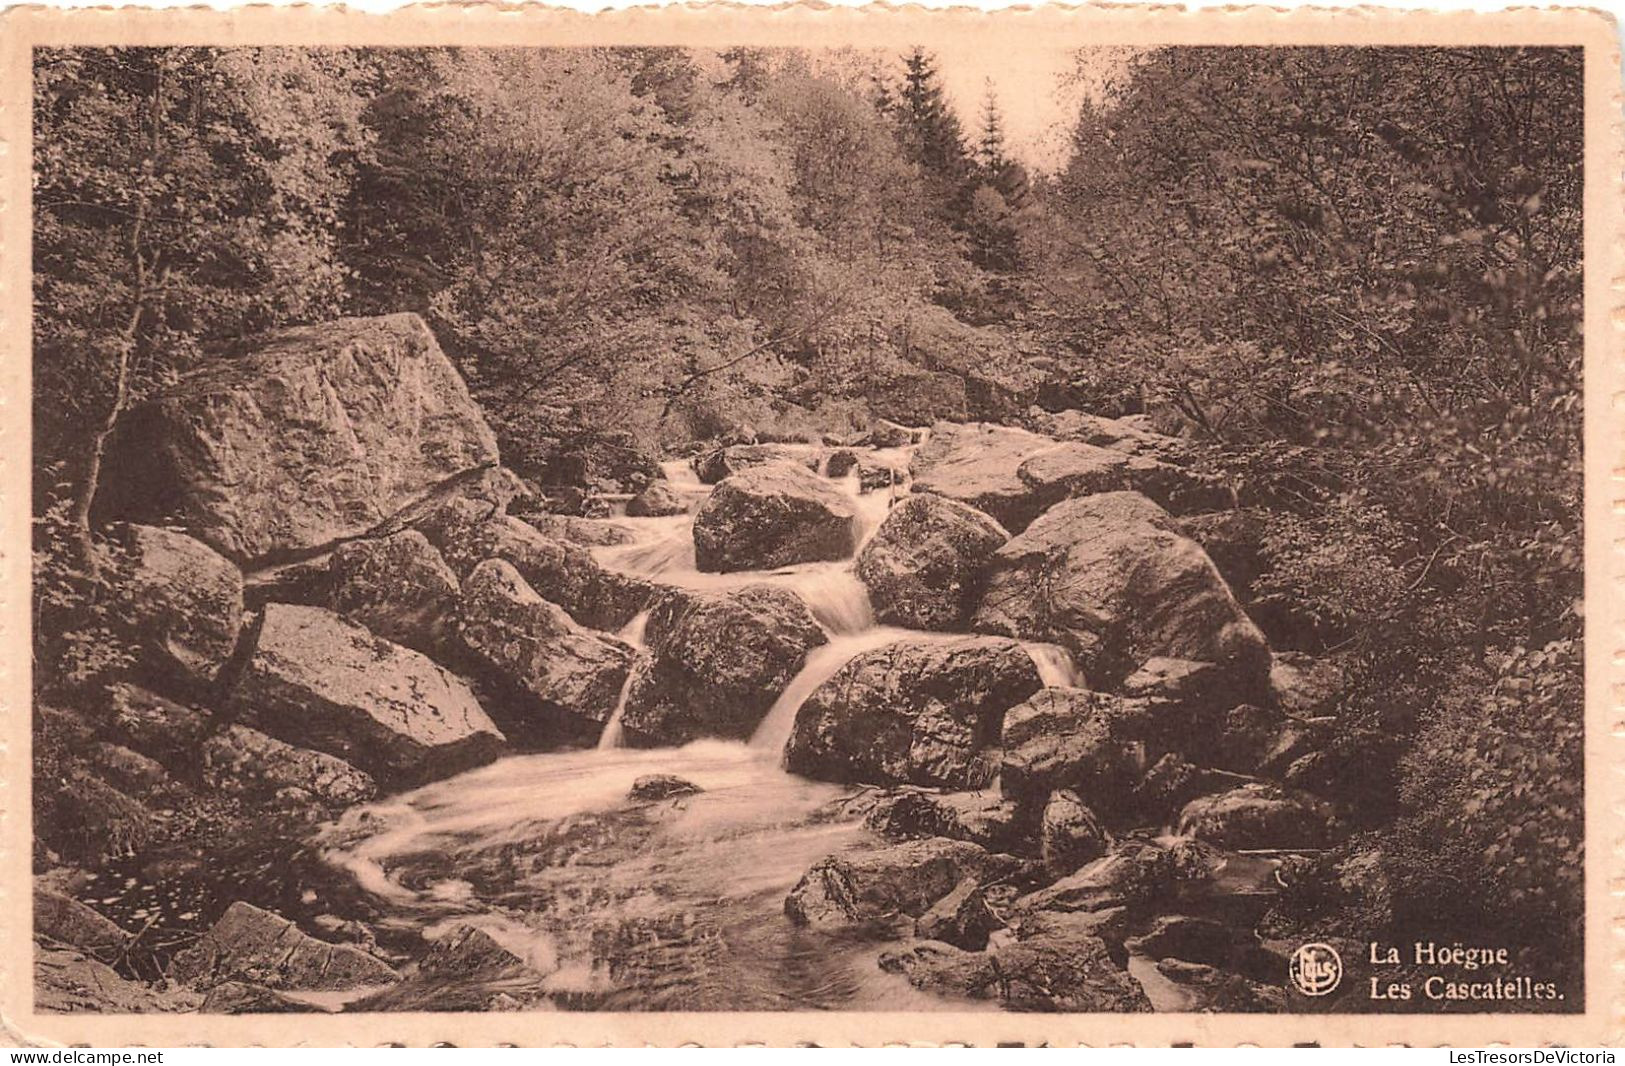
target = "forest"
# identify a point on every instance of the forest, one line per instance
(1349, 279)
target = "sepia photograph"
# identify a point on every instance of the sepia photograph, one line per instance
(1076, 529)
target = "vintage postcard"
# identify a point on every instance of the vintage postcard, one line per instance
(728, 525)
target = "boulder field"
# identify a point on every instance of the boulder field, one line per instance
(331, 595)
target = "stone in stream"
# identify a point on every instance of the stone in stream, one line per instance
(466, 969)
(1069, 834)
(563, 681)
(662, 786)
(656, 501)
(1058, 971)
(1107, 578)
(841, 462)
(914, 712)
(240, 761)
(716, 663)
(979, 465)
(770, 516)
(257, 947)
(315, 679)
(875, 476)
(983, 818)
(884, 884)
(467, 532)
(1260, 816)
(961, 918)
(1072, 738)
(398, 587)
(886, 434)
(1134, 873)
(722, 463)
(179, 602)
(1179, 936)
(312, 435)
(926, 564)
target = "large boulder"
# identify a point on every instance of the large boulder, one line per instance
(563, 679)
(180, 602)
(315, 679)
(925, 565)
(1108, 578)
(397, 586)
(914, 712)
(659, 500)
(1069, 834)
(257, 947)
(980, 465)
(467, 532)
(884, 884)
(718, 464)
(314, 434)
(983, 818)
(1260, 816)
(241, 761)
(1071, 738)
(1055, 971)
(772, 516)
(717, 662)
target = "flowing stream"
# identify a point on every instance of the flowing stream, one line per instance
(669, 905)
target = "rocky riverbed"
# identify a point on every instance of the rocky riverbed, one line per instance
(933, 716)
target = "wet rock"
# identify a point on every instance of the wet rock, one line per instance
(167, 731)
(586, 532)
(1220, 992)
(878, 886)
(65, 920)
(67, 981)
(1069, 834)
(913, 712)
(1071, 738)
(1182, 937)
(722, 463)
(926, 564)
(877, 477)
(1107, 578)
(238, 997)
(662, 786)
(980, 817)
(245, 762)
(398, 587)
(1173, 781)
(1072, 973)
(979, 465)
(1260, 816)
(565, 681)
(1304, 686)
(321, 681)
(255, 946)
(313, 434)
(887, 434)
(840, 463)
(130, 771)
(467, 969)
(1133, 874)
(716, 662)
(770, 516)
(656, 501)
(467, 533)
(961, 918)
(180, 603)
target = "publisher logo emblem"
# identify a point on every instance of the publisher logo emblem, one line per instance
(1316, 969)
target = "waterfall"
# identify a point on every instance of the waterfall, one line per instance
(633, 635)
(1055, 666)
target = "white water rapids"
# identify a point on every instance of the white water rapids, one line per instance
(671, 905)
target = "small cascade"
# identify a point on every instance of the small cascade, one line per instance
(1055, 665)
(836, 598)
(680, 473)
(822, 664)
(632, 634)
